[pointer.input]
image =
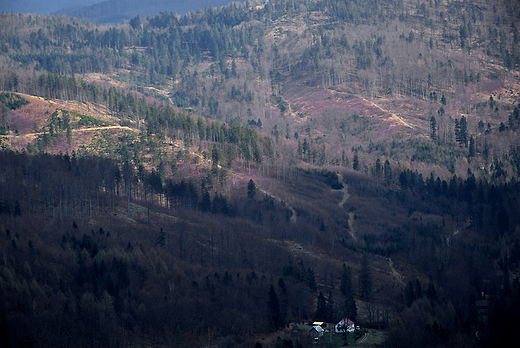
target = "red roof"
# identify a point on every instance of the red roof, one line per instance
(347, 321)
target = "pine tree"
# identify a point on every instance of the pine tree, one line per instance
(431, 294)
(433, 128)
(251, 189)
(205, 204)
(365, 279)
(346, 281)
(173, 167)
(215, 157)
(387, 171)
(274, 309)
(283, 300)
(305, 149)
(349, 307)
(418, 289)
(161, 240)
(311, 280)
(321, 308)
(378, 169)
(409, 294)
(330, 315)
(463, 131)
(471, 146)
(161, 171)
(355, 161)
(457, 131)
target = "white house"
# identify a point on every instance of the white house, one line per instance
(345, 324)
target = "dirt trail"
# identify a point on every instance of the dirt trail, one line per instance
(394, 116)
(352, 233)
(84, 130)
(351, 230)
(395, 273)
(363, 339)
(345, 198)
(293, 211)
(100, 128)
(346, 195)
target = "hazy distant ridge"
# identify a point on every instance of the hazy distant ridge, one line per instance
(115, 11)
(41, 7)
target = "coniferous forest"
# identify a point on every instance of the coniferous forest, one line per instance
(226, 177)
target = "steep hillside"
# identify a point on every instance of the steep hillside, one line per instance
(428, 67)
(65, 126)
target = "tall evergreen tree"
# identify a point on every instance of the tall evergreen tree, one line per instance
(378, 169)
(387, 171)
(331, 309)
(463, 131)
(274, 309)
(471, 146)
(346, 281)
(174, 167)
(321, 308)
(409, 294)
(433, 128)
(251, 189)
(457, 131)
(355, 161)
(311, 279)
(283, 300)
(349, 306)
(365, 279)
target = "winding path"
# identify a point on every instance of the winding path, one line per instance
(363, 339)
(345, 198)
(293, 211)
(83, 130)
(395, 273)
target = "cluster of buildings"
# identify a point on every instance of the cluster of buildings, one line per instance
(319, 328)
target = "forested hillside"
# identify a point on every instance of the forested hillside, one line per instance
(303, 69)
(217, 177)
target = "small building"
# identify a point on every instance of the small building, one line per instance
(320, 323)
(316, 332)
(345, 324)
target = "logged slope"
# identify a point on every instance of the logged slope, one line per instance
(33, 122)
(424, 68)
